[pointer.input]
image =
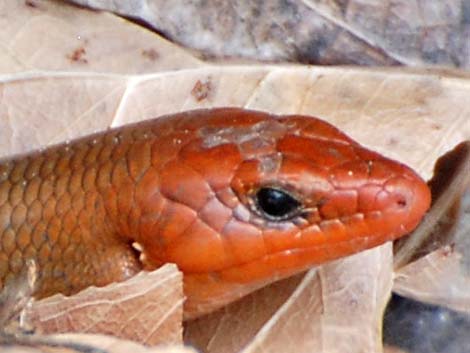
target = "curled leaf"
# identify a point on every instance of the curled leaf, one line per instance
(147, 308)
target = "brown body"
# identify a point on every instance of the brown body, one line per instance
(183, 189)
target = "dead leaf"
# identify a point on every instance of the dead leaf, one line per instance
(370, 32)
(451, 178)
(443, 276)
(15, 296)
(438, 278)
(383, 112)
(233, 327)
(411, 116)
(147, 308)
(53, 36)
(305, 314)
(326, 302)
(81, 343)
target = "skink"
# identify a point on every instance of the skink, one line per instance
(236, 198)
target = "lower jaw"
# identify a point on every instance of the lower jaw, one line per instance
(207, 292)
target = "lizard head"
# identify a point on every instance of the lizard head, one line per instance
(250, 198)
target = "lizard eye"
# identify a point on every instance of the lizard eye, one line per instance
(276, 204)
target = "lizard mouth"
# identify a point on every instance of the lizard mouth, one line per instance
(211, 290)
(407, 202)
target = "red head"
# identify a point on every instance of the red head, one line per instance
(245, 198)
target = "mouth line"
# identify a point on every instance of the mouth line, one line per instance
(361, 244)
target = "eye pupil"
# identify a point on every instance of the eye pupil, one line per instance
(275, 203)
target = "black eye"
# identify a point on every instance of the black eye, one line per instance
(276, 204)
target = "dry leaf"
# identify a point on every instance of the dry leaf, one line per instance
(411, 116)
(233, 327)
(384, 111)
(306, 316)
(147, 308)
(381, 109)
(373, 32)
(443, 276)
(52, 36)
(15, 296)
(438, 278)
(451, 177)
(81, 343)
(336, 309)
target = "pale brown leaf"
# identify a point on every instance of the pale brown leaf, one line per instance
(335, 308)
(147, 308)
(15, 296)
(448, 214)
(82, 343)
(411, 116)
(383, 112)
(437, 278)
(443, 276)
(232, 328)
(52, 36)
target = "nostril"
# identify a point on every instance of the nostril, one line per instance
(410, 198)
(401, 193)
(401, 202)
